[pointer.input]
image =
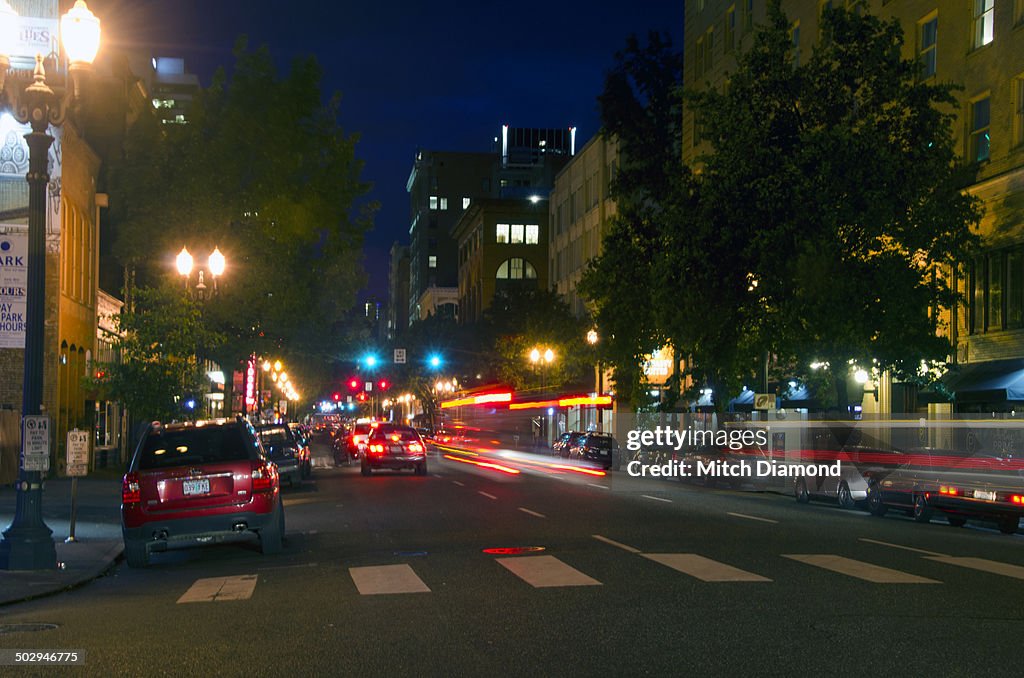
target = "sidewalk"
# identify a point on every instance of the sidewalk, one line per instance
(97, 531)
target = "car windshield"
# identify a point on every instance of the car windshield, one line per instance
(403, 434)
(193, 446)
(277, 435)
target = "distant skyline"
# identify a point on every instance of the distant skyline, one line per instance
(442, 76)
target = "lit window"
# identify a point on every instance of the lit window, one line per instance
(433, 202)
(465, 203)
(515, 269)
(432, 261)
(980, 117)
(929, 36)
(444, 203)
(501, 234)
(517, 234)
(983, 14)
(532, 234)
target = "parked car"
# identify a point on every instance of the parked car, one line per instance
(960, 484)
(850, 488)
(283, 450)
(565, 442)
(600, 448)
(305, 451)
(196, 483)
(395, 447)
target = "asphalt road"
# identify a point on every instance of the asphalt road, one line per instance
(657, 578)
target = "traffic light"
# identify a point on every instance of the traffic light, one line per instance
(361, 397)
(434, 361)
(336, 396)
(354, 384)
(383, 384)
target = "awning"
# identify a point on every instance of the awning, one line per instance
(992, 381)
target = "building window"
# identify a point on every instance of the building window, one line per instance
(929, 36)
(995, 291)
(748, 15)
(1018, 110)
(517, 234)
(709, 49)
(730, 29)
(465, 203)
(1015, 289)
(980, 117)
(501, 234)
(700, 5)
(432, 261)
(983, 14)
(532, 234)
(698, 59)
(978, 296)
(444, 203)
(433, 202)
(516, 268)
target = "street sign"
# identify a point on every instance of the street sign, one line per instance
(764, 401)
(399, 356)
(78, 453)
(35, 436)
(369, 386)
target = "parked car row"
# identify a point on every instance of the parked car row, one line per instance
(599, 448)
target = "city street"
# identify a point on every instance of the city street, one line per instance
(388, 574)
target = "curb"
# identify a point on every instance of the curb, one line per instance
(108, 561)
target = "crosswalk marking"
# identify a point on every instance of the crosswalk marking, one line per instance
(616, 544)
(995, 567)
(859, 569)
(380, 579)
(220, 588)
(546, 571)
(703, 568)
(744, 515)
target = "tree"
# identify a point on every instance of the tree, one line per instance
(263, 171)
(161, 349)
(840, 176)
(641, 108)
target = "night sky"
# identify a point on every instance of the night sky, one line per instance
(443, 75)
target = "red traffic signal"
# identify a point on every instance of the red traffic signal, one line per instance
(336, 396)
(353, 384)
(383, 384)
(361, 397)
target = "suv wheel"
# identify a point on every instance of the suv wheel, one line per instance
(364, 468)
(845, 496)
(136, 552)
(272, 536)
(802, 495)
(875, 504)
(1009, 524)
(922, 512)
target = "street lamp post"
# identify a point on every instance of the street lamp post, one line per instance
(216, 264)
(27, 543)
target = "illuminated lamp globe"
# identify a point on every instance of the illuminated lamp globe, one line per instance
(80, 34)
(217, 263)
(184, 261)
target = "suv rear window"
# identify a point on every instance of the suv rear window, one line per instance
(403, 433)
(599, 442)
(185, 447)
(277, 435)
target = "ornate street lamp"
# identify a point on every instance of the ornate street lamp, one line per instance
(28, 544)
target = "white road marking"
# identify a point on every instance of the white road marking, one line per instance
(458, 483)
(603, 487)
(703, 568)
(381, 579)
(905, 548)
(993, 566)
(437, 475)
(532, 513)
(546, 571)
(614, 543)
(489, 496)
(220, 588)
(744, 515)
(861, 570)
(647, 496)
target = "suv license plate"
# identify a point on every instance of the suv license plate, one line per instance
(985, 494)
(190, 487)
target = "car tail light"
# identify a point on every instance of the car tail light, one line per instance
(130, 493)
(415, 447)
(1017, 499)
(264, 477)
(948, 490)
(377, 449)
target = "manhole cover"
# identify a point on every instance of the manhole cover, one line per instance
(26, 628)
(513, 550)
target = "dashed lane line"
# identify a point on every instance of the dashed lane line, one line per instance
(532, 513)
(489, 496)
(616, 544)
(744, 515)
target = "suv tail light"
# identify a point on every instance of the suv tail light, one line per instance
(264, 477)
(130, 493)
(415, 447)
